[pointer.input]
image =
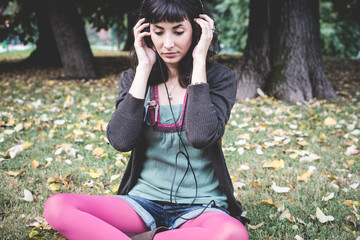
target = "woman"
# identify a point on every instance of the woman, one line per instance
(171, 112)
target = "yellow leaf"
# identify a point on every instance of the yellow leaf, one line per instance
(13, 173)
(303, 143)
(34, 164)
(68, 101)
(114, 177)
(294, 155)
(126, 154)
(330, 121)
(54, 187)
(53, 179)
(268, 201)
(304, 177)
(98, 152)
(114, 188)
(277, 164)
(94, 173)
(78, 132)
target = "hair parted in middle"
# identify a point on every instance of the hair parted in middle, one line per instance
(156, 11)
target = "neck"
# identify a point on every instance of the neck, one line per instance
(173, 74)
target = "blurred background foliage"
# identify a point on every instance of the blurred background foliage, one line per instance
(339, 23)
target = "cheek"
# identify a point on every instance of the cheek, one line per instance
(186, 42)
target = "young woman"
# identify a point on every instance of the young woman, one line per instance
(171, 111)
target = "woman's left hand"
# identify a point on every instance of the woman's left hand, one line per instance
(207, 30)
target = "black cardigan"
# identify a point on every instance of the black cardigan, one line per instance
(207, 112)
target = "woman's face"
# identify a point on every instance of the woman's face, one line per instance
(171, 40)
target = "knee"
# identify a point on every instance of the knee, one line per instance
(54, 209)
(231, 231)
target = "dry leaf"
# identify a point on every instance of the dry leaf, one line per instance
(12, 152)
(253, 227)
(286, 215)
(54, 187)
(98, 152)
(34, 164)
(268, 201)
(321, 216)
(28, 196)
(328, 197)
(304, 177)
(277, 164)
(330, 121)
(280, 189)
(95, 173)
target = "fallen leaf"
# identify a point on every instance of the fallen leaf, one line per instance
(54, 187)
(253, 227)
(280, 189)
(95, 173)
(304, 177)
(98, 152)
(277, 164)
(12, 152)
(328, 197)
(330, 121)
(321, 216)
(28, 196)
(268, 201)
(286, 215)
(34, 164)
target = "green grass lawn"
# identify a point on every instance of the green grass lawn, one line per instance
(289, 163)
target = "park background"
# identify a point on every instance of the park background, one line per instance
(293, 154)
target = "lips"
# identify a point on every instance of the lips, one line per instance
(170, 54)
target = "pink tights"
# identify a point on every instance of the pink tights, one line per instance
(108, 217)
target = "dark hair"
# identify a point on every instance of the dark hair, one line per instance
(156, 11)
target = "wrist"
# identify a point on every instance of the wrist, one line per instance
(144, 68)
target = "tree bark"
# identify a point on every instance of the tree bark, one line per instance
(73, 45)
(46, 53)
(131, 20)
(254, 66)
(289, 52)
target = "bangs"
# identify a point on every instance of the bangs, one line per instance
(170, 12)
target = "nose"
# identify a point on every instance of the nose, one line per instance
(168, 42)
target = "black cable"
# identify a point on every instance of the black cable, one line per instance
(186, 155)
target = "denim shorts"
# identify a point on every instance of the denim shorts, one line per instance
(156, 214)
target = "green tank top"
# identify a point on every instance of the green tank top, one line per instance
(163, 162)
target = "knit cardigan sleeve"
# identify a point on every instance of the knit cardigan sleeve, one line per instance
(124, 128)
(209, 106)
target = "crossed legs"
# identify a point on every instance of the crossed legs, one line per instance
(79, 216)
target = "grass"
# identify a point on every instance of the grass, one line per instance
(72, 115)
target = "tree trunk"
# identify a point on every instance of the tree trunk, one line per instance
(292, 63)
(131, 20)
(73, 45)
(46, 52)
(254, 66)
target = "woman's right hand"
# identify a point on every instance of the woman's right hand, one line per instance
(146, 56)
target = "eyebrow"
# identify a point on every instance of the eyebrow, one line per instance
(174, 27)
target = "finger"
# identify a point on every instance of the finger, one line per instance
(141, 21)
(207, 18)
(205, 26)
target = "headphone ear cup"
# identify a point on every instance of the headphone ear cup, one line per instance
(197, 31)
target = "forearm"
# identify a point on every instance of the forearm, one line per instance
(139, 84)
(199, 72)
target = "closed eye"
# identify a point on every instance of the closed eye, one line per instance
(179, 33)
